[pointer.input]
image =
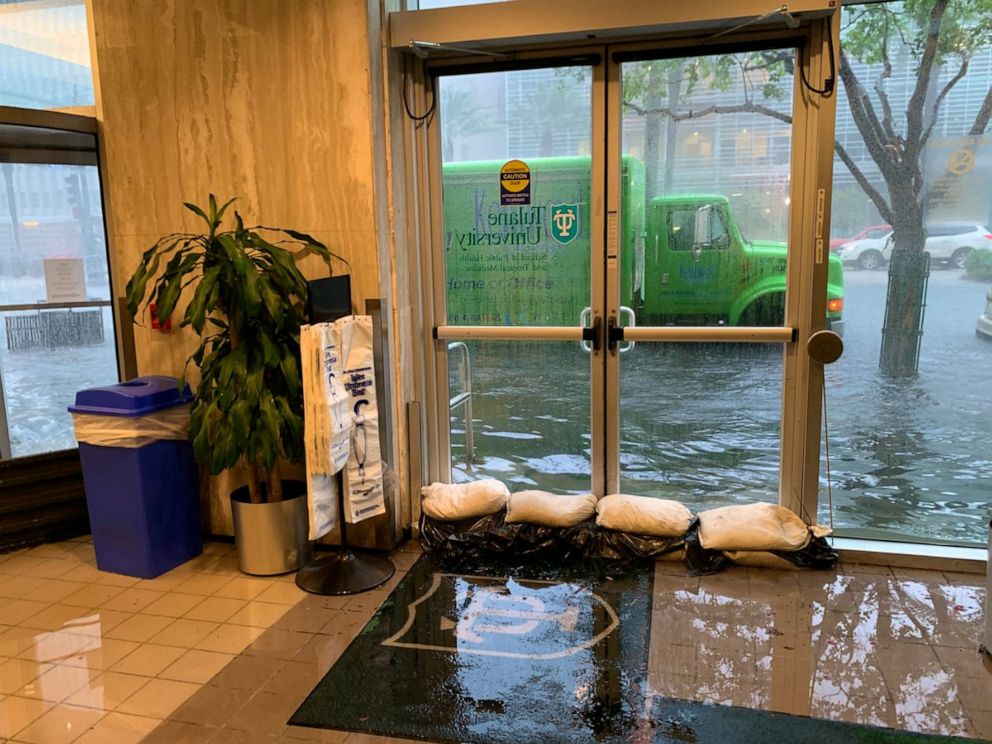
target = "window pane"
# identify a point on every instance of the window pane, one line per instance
(516, 178)
(706, 143)
(909, 434)
(52, 251)
(520, 413)
(701, 423)
(44, 54)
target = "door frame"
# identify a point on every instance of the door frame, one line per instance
(809, 219)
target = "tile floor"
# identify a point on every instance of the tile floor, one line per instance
(206, 654)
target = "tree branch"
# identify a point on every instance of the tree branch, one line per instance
(983, 116)
(749, 107)
(962, 71)
(883, 97)
(884, 210)
(915, 108)
(882, 150)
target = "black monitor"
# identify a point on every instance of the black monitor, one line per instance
(329, 299)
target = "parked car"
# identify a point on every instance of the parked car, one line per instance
(950, 243)
(984, 326)
(867, 253)
(872, 231)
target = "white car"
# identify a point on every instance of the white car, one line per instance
(948, 244)
(984, 326)
(867, 253)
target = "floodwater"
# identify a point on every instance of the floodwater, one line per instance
(700, 423)
(910, 459)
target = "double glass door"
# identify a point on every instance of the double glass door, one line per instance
(618, 274)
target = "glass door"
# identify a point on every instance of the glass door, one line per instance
(700, 401)
(704, 373)
(631, 258)
(519, 261)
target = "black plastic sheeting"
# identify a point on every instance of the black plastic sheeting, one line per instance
(701, 562)
(491, 537)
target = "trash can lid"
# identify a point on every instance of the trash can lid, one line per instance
(132, 398)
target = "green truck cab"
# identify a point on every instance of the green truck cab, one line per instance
(523, 258)
(700, 269)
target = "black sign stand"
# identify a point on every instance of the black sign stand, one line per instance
(344, 571)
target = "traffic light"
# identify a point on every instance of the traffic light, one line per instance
(74, 194)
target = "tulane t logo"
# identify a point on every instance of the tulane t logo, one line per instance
(564, 222)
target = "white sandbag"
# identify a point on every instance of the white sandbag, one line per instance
(327, 422)
(132, 431)
(752, 527)
(760, 559)
(548, 509)
(363, 492)
(643, 515)
(449, 502)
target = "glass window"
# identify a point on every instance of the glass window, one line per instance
(908, 405)
(55, 298)
(44, 54)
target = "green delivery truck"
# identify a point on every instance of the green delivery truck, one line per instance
(516, 244)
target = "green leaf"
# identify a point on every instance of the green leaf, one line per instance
(196, 210)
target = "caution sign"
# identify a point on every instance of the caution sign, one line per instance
(514, 183)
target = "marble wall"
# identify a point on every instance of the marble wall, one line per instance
(272, 101)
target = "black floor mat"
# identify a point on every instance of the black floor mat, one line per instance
(531, 654)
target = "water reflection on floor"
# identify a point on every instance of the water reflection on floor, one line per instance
(869, 646)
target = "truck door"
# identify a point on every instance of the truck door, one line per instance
(691, 277)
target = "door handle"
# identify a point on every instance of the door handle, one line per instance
(631, 321)
(591, 335)
(614, 334)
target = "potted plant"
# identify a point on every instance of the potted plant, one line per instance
(244, 296)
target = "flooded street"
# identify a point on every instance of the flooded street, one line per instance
(909, 459)
(700, 423)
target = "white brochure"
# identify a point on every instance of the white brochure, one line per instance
(363, 491)
(327, 422)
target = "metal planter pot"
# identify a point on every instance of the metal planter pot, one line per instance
(272, 538)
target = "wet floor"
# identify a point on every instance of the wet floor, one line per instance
(654, 655)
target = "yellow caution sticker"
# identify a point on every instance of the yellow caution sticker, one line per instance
(514, 183)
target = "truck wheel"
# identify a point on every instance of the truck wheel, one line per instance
(765, 311)
(959, 257)
(870, 260)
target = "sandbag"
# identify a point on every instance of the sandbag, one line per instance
(643, 515)
(760, 559)
(758, 526)
(548, 509)
(450, 502)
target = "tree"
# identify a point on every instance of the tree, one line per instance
(936, 35)
(462, 116)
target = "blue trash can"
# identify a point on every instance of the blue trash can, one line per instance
(143, 497)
